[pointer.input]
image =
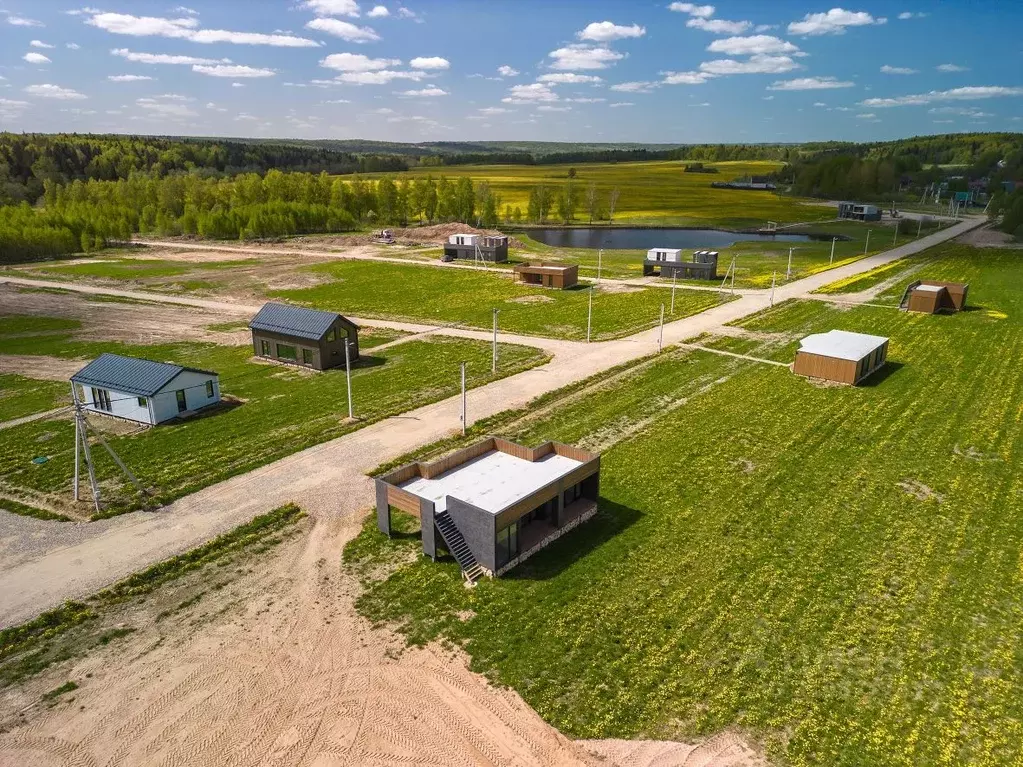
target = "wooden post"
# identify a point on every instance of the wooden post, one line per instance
(74, 399)
(348, 378)
(674, 279)
(833, 241)
(774, 275)
(493, 362)
(867, 243)
(895, 239)
(589, 315)
(660, 337)
(463, 399)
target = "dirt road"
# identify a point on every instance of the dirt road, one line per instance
(301, 679)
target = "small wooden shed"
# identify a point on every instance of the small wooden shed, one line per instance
(840, 356)
(300, 336)
(548, 275)
(935, 297)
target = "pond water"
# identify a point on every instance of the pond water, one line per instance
(644, 239)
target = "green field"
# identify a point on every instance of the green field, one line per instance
(270, 411)
(460, 296)
(835, 571)
(650, 192)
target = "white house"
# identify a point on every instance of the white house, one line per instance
(464, 239)
(144, 390)
(664, 254)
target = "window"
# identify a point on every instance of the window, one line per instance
(143, 402)
(182, 402)
(507, 544)
(209, 389)
(264, 348)
(287, 352)
(307, 356)
(331, 335)
(101, 399)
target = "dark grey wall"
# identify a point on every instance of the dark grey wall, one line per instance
(478, 528)
(383, 508)
(429, 528)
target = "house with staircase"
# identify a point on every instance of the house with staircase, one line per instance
(495, 503)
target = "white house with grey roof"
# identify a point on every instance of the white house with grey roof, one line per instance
(300, 336)
(144, 390)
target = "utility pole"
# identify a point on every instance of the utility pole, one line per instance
(463, 399)
(895, 239)
(833, 241)
(867, 243)
(600, 259)
(660, 336)
(674, 279)
(589, 315)
(493, 364)
(919, 226)
(348, 378)
(788, 269)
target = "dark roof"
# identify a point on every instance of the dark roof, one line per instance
(130, 375)
(295, 321)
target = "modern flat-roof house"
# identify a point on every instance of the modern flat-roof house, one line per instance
(934, 297)
(669, 262)
(548, 275)
(307, 337)
(841, 356)
(143, 390)
(472, 246)
(494, 503)
(858, 211)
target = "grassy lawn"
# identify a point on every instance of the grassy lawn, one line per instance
(651, 192)
(835, 570)
(132, 268)
(282, 410)
(428, 294)
(20, 396)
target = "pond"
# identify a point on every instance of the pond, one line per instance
(644, 239)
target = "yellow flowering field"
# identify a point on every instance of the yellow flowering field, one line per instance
(834, 571)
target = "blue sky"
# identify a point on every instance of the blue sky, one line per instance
(526, 70)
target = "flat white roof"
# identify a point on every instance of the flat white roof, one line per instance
(493, 482)
(665, 250)
(929, 288)
(841, 344)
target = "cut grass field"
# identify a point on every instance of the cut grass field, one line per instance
(270, 411)
(650, 192)
(20, 396)
(457, 296)
(835, 571)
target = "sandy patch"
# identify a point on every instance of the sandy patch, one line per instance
(986, 237)
(531, 300)
(724, 750)
(919, 490)
(617, 287)
(745, 465)
(40, 368)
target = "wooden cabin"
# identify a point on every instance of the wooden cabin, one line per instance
(840, 356)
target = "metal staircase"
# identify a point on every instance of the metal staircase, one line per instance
(904, 303)
(472, 571)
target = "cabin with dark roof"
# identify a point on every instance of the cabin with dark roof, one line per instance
(307, 337)
(144, 390)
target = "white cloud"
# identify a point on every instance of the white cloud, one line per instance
(72, 46)
(967, 93)
(764, 28)
(379, 12)
(429, 62)
(819, 104)
(406, 13)
(379, 77)
(622, 103)
(951, 68)
(702, 11)
(605, 31)
(495, 111)
(943, 122)
(635, 87)
(834, 22)
(506, 71)
(810, 84)
(356, 62)
(337, 101)
(755, 65)
(232, 70)
(11, 109)
(164, 58)
(21, 21)
(685, 78)
(48, 91)
(237, 85)
(768, 98)
(527, 94)
(332, 7)
(39, 44)
(547, 108)
(887, 70)
(245, 116)
(586, 100)
(748, 46)
(719, 26)
(961, 111)
(866, 116)
(345, 30)
(188, 29)
(127, 78)
(579, 56)
(905, 15)
(425, 92)
(569, 78)
(35, 58)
